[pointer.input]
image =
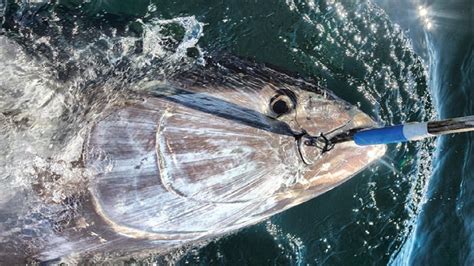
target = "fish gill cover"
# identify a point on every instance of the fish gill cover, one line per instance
(65, 61)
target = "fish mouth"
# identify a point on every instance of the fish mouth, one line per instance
(311, 148)
(301, 141)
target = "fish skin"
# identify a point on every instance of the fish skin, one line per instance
(115, 215)
(202, 155)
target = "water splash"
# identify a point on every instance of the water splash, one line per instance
(53, 83)
(290, 245)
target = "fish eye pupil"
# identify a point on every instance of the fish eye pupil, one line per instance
(280, 107)
(284, 102)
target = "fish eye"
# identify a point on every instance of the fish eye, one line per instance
(283, 102)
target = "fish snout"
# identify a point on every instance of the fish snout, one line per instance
(321, 120)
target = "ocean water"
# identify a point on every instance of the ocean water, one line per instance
(444, 229)
(61, 61)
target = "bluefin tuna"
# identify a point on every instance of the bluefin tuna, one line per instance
(193, 157)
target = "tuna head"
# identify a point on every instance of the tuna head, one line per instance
(216, 149)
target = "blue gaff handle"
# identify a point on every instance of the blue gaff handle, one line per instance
(385, 135)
